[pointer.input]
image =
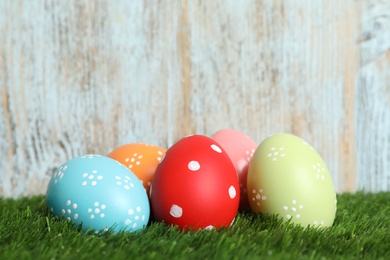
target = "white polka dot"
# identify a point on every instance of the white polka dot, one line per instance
(288, 216)
(96, 204)
(76, 216)
(94, 171)
(143, 218)
(176, 211)
(232, 192)
(216, 148)
(93, 183)
(298, 216)
(63, 211)
(315, 222)
(264, 197)
(294, 202)
(131, 212)
(103, 206)
(92, 216)
(134, 225)
(89, 210)
(127, 159)
(162, 158)
(68, 202)
(97, 210)
(193, 165)
(138, 163)
(119, 183)
(100, 177)
(85, 175)
(258, 196)
(136, 217)
(210, 227)
(128, 221)
(65, 167)
(274, 159)
(285, 208)
(138, 209)
(69, 211)
(90, 177)
(126, 187)
(270, 154)
(102, 215)
(117, 177)
(301, 206)
(159, 152)
(293, 209)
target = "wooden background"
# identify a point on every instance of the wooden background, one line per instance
(82, 77)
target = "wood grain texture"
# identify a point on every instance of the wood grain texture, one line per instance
(373, 99)
(82, 77)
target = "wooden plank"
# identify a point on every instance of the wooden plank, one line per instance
(373, 98)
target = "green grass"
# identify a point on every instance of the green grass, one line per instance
(361, 230)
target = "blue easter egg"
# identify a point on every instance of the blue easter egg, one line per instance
(99, 193)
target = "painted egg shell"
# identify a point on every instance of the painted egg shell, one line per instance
(288, 177)
(240, 149)
(195, 185)
(99, 193)
(141, 159)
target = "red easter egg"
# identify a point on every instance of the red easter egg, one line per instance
(195, 185)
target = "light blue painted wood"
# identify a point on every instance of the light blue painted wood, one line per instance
(87, 76)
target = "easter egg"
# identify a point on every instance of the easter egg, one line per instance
(240, 149)
(99, 193)
(195, 186)
(289, 178)
(141, 159)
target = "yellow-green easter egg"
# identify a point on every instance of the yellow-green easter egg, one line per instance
(288, 177)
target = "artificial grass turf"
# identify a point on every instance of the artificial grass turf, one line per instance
(361, 230)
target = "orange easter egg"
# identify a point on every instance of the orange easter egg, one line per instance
(141, 159)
